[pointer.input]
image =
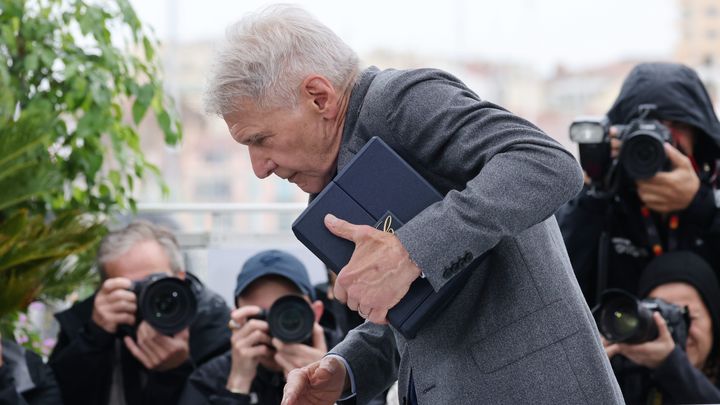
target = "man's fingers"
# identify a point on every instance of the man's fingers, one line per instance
(127, 307)
(378, 316)
(113, 284)
(612, 350)
(676, 157)
(340, 293)
(297, 382)
(137, 352)
(661, 325)
(344, 229)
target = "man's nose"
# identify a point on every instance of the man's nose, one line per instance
(262, 165)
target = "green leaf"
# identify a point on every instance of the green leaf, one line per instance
(142, 102)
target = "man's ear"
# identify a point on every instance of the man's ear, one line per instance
(321, 95)
(318, 309)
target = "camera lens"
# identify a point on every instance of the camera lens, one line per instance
(623, 318)
(291, 319)
(642, 155)
(620, 320)
(168, 304)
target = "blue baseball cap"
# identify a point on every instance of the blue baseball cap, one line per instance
(274, 263)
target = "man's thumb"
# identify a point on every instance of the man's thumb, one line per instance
(677, 158)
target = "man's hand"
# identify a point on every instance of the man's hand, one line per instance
(649, 354)
(250, 342)
(670, 191)
(157, 351)
(114, 304)
(320, 383)
(295, 355)
(379, 273)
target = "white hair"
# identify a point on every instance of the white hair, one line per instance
(116, 243)
(266, 56)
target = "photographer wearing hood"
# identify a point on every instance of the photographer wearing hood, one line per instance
(630, 212)
(680, 364)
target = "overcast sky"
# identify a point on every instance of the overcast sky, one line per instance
(542, 33)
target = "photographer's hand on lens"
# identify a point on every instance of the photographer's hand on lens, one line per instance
(611, 349)
(670, 191)
(320, 383)
(379, 273)
(157, 351)
(250, 342)
(114, 304)
(650, 354)
(295, 355)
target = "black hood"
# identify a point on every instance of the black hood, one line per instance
(679, 95)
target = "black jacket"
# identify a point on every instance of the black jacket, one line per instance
(610, 225)
(207, 386)
(675, 381)
(84, 357)
(25, 379)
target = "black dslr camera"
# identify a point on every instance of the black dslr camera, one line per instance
(642, 153)
(291, 319)
(621, 317)
(167, 303)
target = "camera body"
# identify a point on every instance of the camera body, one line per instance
(167, 303)
(621, 317)
(290, 318)
(642, 153)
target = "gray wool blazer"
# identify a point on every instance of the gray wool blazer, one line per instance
(519, 331)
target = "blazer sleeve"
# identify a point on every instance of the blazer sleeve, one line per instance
(370, 350)
(506, 174)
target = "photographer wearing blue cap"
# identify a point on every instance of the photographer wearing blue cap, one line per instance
(275, 330)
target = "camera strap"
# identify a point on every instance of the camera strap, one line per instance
(654, 240)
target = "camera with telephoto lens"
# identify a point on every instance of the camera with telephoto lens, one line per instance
(167, 303)
(642, 153)
(621, 317)
(290, 318)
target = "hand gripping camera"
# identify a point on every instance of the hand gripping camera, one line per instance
(167, 303)
(621, 317)
(291, 319)
(642, 153)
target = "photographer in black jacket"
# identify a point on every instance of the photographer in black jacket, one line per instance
(24, 378)
(617, 224)
(660, 371)
(97, 361)
(254, 370)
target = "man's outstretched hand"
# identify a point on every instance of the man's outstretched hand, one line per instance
(320, 383)
(379, 273)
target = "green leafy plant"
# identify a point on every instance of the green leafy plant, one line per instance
(77, 78)
(92, 68)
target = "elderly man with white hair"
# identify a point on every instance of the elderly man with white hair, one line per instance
(519, 331)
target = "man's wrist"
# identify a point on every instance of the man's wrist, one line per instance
(238, 384)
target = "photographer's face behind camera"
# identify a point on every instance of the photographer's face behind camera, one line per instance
(116, 305)
(657, 156)
(253, 342)
(700, 335)
(653, 353)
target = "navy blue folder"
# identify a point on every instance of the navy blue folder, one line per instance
(377, 188)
